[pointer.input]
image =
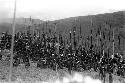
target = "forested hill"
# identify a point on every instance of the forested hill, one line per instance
(6, 24)
(84, 23)
(115, 19)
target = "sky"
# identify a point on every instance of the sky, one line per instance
(58, 9)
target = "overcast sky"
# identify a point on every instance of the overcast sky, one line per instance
(58, 9)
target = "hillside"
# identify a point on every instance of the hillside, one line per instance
(6, 24)
(115, 19)
(105, 22)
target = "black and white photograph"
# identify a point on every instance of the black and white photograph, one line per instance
(62, 41)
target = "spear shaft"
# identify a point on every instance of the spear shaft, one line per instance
(12, 43)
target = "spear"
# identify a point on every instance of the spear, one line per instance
(113, 43)
(118, 41)
(70, 38)
(57, 51)
(91, 39)
(80, 32)
(46, 25)
(79, 35)
(74, 31)
(91, 31)
(110, 74)
(97, 36)
(100, 38)
(54, 34)
(12, 43)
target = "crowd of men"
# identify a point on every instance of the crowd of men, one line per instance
(55, 53)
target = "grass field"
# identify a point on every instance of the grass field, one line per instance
(37, 75)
